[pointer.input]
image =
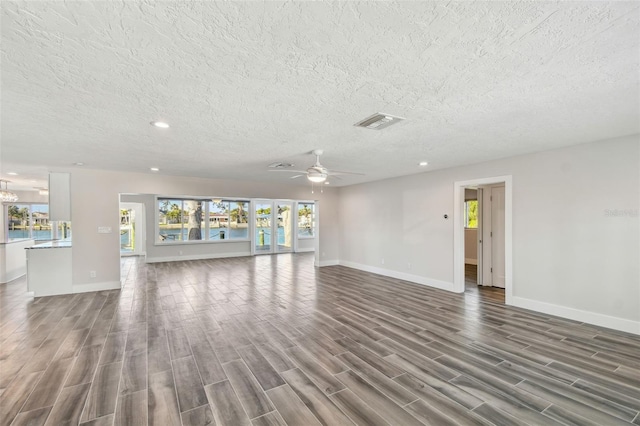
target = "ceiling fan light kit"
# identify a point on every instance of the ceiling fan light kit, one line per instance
(317, 177)
(315, 174)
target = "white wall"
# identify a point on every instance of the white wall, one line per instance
(471, 246)
(570, 256)
(95, 202)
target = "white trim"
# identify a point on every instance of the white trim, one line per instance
(105, 285)
(196, 257)
(470, 261)
(601, 320)
(14, 276)
(458, 232)
(305, 250)
(442, 285)
(326, 263)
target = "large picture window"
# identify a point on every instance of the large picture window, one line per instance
(306, 220)
(186, 219)
(28, 221)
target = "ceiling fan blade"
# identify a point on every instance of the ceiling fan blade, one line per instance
(287, 170)
(296, 176)
(339, 172)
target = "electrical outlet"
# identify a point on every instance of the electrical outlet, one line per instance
(92, 274)
(408, 265)
(382, 261)
(180, 252)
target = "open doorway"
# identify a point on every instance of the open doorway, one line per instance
(472, 240)
(132, 229)
(483, 218)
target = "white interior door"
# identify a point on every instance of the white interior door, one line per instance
(497, 234)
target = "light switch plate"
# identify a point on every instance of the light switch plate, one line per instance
(104, 229)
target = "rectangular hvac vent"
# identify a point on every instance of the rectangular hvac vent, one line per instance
(378, 121)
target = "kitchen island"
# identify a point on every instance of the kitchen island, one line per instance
(49, 268)
(13, 262)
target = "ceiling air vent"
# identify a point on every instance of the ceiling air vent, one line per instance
(280, 165)
(378, 121)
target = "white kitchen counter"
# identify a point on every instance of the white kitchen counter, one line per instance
(49, 268)
(13, 261)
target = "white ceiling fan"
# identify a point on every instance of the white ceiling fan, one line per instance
(316, 173)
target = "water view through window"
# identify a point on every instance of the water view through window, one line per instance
(28, 221)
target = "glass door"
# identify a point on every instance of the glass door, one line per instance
(263, 225)
(284, 226)
(273, 226)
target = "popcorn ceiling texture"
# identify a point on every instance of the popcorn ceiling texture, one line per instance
(244, 84)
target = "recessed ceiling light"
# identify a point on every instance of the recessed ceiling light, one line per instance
(327, 183)
(422, 163)
(154, 169)
(160, 124)
(78, 164)
(12, 173)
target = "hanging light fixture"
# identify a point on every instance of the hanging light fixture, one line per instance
(316, 174)
(7, 196)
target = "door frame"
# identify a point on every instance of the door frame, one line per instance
(458, 231)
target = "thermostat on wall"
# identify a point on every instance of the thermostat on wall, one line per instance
(104, 229)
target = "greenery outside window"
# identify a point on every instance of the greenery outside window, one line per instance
(189, 219)
(471, 214)
(306, 220)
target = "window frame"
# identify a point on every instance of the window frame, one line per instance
(466, 214)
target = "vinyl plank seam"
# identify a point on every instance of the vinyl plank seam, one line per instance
(409, 403)
(299, 399)
(28, 396)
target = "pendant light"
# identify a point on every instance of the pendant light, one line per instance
(7, 196)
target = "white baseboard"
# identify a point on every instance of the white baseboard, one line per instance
(327, 263)
(442, 285)
(471, 261)
(105, 285)
(594, 318)
(13, 276)
(305, 250)
(196, 257)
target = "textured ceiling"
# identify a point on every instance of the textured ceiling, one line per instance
(245, 84)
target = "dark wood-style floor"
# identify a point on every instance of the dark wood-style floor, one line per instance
(271, 340)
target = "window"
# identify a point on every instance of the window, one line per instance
(28, 221)
(228, 220)
(196, 219)
(471, 214)
(306, 220)
(170, 225)
(239, 215)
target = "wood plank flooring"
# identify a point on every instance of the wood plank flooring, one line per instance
(271, 340)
